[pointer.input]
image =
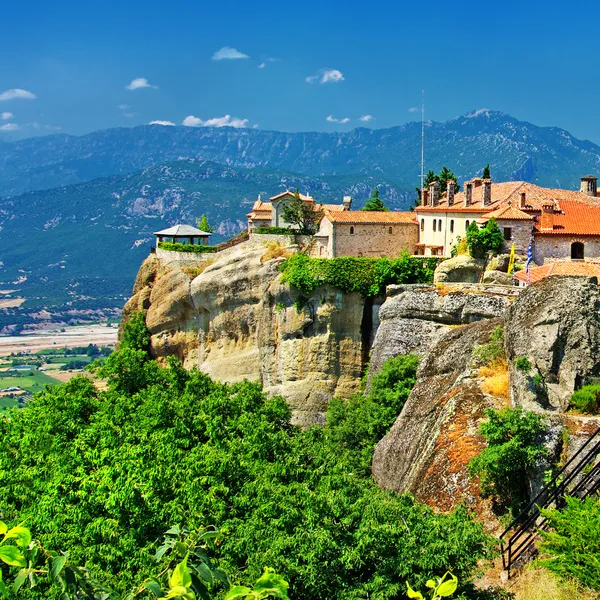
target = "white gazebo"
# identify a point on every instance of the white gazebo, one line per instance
(183, 234)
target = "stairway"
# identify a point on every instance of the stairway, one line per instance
(580, 477)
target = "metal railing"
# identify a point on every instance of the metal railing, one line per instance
(518, 540)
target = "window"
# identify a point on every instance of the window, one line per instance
(440, 225)
(466, 224)
(390, 231)
(577, 251)
(508, 233)
(434, 225)
(351, 230)
(321, 251)
(422, 224)
(452, 226)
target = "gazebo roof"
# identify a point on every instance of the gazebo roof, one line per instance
(183, 231)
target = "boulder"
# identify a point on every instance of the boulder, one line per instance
(171, 306)
(499, 262)
(498, 277)
(460, 268)
(555, 323)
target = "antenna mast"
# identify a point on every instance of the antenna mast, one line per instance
(422, 139)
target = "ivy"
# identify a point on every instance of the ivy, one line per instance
(177, 247)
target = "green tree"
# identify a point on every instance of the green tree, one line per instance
(304, 216)
(487, 239)
(374, 203)
(442, 177)
(486, 172)
(203, 225)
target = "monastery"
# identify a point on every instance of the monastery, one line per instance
(563, 225)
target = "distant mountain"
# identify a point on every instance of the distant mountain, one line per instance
(82, 244)
(516, 150)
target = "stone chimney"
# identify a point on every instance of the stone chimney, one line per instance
(589, 185)
(523, 201)
(547, 217)
(424, 197)
(434, 192)
(476, 182)
(486, 196)
(347, 203)
(450, 192)
(468, 193)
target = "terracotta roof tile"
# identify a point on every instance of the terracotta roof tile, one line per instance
(508, 212)
(574, 218)
(367, 216)
(573, 268)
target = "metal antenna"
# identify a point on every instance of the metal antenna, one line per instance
(422, 139)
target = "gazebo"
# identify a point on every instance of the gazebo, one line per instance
(183, 234)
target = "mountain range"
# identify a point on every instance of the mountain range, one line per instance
(77, 213)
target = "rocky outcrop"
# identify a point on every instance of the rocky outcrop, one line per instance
(433, 440)
(556, 325)
(497, 277)
(459, 269)
(414, 316)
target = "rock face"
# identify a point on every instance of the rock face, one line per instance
(414, 316)
(433, 440)
(459, 269)
(497, 277)
(556, 325)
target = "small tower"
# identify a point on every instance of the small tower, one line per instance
(589, 185)
(450, 191)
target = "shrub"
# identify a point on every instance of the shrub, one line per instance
(514, 446)
(586, 399)
(263, 229)
(493, 350)
(193, 272)
(572, 546)
(495, 379)
(177, 247)
(275, 250)
(522, 363)
(460, 248)
(487, 239)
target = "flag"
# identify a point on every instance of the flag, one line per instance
(511, 260)
(529, 260)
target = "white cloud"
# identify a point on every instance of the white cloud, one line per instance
(332, 119)
(131, 115)
(226, 121)
(267, 60)
(326, 76)
(170, 123)
(123, 106)
(10, 127)
(139, 83)
(367, 118)
(5, 116)
(228, 53)
(262, 65)
(414, 109)
(17, 94)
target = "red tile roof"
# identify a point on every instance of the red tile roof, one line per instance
(509, 212)
(574, 218)
(573, 268)
(368, 216)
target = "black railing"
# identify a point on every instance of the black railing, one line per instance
(518, 540)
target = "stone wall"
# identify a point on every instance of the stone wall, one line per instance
(375, 240)
(521, 234)
(264, 238)
(549, 247)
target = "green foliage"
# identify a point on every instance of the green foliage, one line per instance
(514, 445)
(486, 172)
(441, 588)
(487, 239)
(274, 230)
(268, 585)
(193, 248)
(368, 276)
(304, 216)
(493, 350)
(571, 548)
(203, 225)
(102, 473)
(374, 203)
(523, 364)
(135, 333)
(586, 399)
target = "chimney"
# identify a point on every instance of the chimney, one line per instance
(486, 196)
(450, 192)
(434, 192)
(347, 203)
(424, 197)
(547, 217)
(468, 193)
(477, 182)
(523, 203)
(589, 185)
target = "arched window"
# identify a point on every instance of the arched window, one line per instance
(351, 230)
(320, 250)
(422, 224)
(452, 226)
(466, 224)
(440, 225)
(390, 231)
(434, 225)
(577, 252)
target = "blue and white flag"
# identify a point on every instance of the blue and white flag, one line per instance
(529, 256)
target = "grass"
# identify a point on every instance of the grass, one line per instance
(537, 583)
(63, 360)
(7, 402)
(275, 250)
(31, 381)
(193, 272)
(495, 379)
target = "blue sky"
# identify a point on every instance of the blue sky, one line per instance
(537, 61)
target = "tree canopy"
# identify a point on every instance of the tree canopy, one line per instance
(203, 225)
(487, 239)
(443, 177)
(486, 172)
(374, 203)
(304, 216)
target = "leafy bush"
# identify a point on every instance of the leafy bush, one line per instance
(101, 474)
(368, 276)
(263, 229)
(460, 248)
(514, 445)
(493, 350)
(522, 363)
(572, 546)
(586, 399)
(177, 247)
(487, 239)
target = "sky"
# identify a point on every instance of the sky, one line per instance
(75, 67)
